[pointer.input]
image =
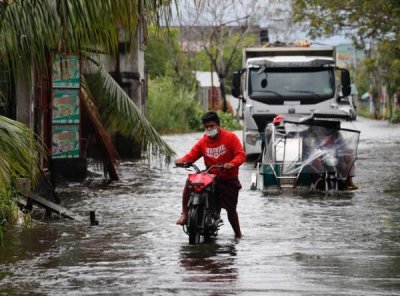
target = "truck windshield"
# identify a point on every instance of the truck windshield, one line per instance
(307, 85)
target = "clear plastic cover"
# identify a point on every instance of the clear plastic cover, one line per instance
(296, 149)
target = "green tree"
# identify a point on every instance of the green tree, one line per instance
(160, 49)
(172, 107)
(229, 57)
(358, 20)
(31, 30)
(164, 57)
(221, 27)
(388, 61)
(372, 25)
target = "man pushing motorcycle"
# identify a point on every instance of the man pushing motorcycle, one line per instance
(217, 146)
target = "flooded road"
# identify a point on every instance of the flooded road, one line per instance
(308, 244)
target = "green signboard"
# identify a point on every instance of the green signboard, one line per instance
(65, 117)
(65, 142)
(65, 106)
(66, 71)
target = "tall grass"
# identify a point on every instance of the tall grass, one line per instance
(172, 108)
(8, 206)
(8, 210)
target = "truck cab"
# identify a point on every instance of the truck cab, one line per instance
(286, 80)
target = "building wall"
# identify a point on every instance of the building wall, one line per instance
(24, 99)
(129, 68)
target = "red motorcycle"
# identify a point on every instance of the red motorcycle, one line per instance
(204, 216)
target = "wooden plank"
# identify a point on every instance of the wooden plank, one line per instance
(22, 201)
(54, 207)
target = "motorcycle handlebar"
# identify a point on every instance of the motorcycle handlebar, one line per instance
(196, 168)
(220, 166)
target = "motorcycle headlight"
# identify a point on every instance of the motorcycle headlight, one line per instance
(252, 138)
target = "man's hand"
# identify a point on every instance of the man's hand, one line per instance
(178, 162)
(228, 166)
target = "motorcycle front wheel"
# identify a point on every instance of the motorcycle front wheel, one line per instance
(195, 224)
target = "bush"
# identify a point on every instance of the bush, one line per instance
(172, 108)
(228, 121)
(8, 210)
(8, 207)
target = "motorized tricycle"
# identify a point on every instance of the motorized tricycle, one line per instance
(307, 152)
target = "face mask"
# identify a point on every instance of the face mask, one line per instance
(212, 133)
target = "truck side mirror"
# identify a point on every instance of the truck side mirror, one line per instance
(235, 92)
(346, 91)
(236, 79)
(345, 80)
(236, 84)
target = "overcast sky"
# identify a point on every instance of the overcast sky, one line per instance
(272, 14)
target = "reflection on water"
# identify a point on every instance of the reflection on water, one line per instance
(26, 243)
(294, 243)
(209, 262)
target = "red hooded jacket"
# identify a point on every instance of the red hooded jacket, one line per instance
(225, 148)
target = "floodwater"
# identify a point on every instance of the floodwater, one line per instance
(310, 244)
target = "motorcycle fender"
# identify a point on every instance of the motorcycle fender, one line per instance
(195, 199)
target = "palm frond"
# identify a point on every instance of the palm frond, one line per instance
(91, 109)
(30, 28)
(120, 114)
(19, 151)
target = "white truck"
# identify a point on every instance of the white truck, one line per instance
(287, 80)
